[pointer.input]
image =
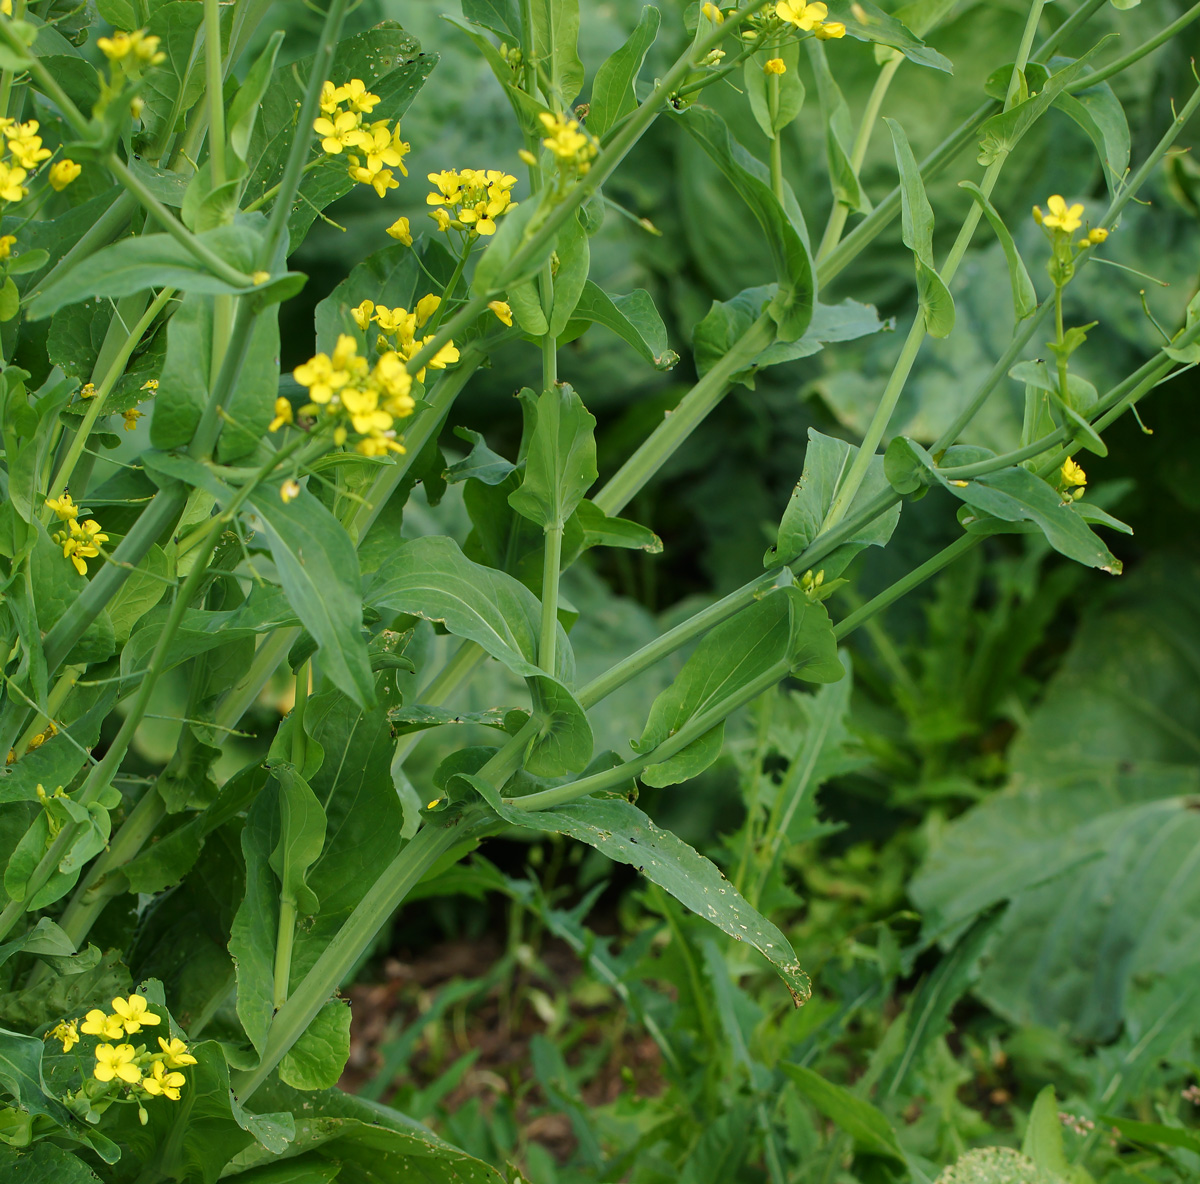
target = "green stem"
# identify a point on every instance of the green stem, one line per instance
(1059, 334)
(54, 700)
(356, 934)
(215, 77)
(259, 202)
(99, 234)
(284, 940)
(440, 687)
(680, 423)
(96, 405)
(1123, 63)
(237, 700)
(776, 139)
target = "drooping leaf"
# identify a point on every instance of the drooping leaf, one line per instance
(839, 134)
(633, 318)
(1098, 111)
(866, 22)
(1023, 293)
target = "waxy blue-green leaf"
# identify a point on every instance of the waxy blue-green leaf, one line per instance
(560, 461)
(792, 305)
(937, 305)
(633, 318)
(781, 627)
(826, 462)
(1023, 293)
(613, 95)
(318, 568)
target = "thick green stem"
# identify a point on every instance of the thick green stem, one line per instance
(215, 78)
(551, 565)
(776, 138)
(680, 423)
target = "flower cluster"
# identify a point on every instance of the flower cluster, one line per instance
(372, 150)
(23, 155)
(81, 540)
(470, 199)
(132, 52)
(1065, 219)
(809, 18)
(356, 396)
(572, 147)
(398, 331)
(117, 1061)
(1071, 480)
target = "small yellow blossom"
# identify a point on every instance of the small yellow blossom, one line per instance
(136, 106)
(1061, 216)
(151, 384)
(79, 543)
(775, 66)
(289, 490)
(803, 16)
(63, 506)
(131, 416)
(97, 1023)
(162, 1083)
(12, 182)
(1094, 237)
(139, 47)
(426, 307)
(116, 1061)
(135, 1013)
(400, 231)
(1072, 474)
(62, 173)
(283, 414)
(356, 94)
(475, 197)
(68, 1033)
(829, 31)
(572, 147)
(6, 7)
(175, 1053)
(363, 313)
(87, 391)
(713, 13)
(7, 242)
(25, 144)
(502, 311)
(338, 133)
(259, 277)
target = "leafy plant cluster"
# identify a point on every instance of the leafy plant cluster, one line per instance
(466, 626)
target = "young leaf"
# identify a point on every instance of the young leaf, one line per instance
(560, 464)
(633, 318)
(319, 570)
(759, 85)
(556, 47)
(1023, 293)
(792, 305)
(301, 838)
(1043, 1141)
(574, 258)
(243, 111)
(599, 530)
(937, 305)
(613, 95)
(839, 134)
(480, 464)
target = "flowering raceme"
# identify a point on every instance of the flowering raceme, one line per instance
(398, 330)
(372, 150)
(81, 540)
(470, 199)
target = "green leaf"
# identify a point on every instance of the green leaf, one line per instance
(500, 16)
(317, 1059)
(172, 87)
(556, 47)
(243, 111)
(1081, 397)
(792, 305)
(418, 717)
(1099, 112)
(525, 300)
(791, 89)
(44, 1163)
(183, 388)
(491, 277)
(574, 259)
(839, 135)
(826, 462)
(867, 1126)
(301, 839)
(480, 464)
(21, 1077)
(1151, 1133)
(251, 405)
(782, 626)
(318, 568)
(1043, 1141)
(613, 94)
(599, 530)
(560, 464)
(44, 938)
(866, 22)
(937, 305)
(255, 927)
(633, 318)
(145, 587)
(1023, 292)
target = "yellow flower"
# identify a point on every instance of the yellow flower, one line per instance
(283, 414)
(331, 97)
(713, 13)
(142, 47)
(829, 31)
(441, 218)
(12, 183)
(96, 1023)
(803, 16)
(1061, 216)
(115, 47)
(288, 490)
(63, 506)
(131, 415)
(381, 180)
(62, 173)
(135, 1013)
(161, 1083)
(151, 384)
(362, 314)
(1072, 474)
(399, 230)
(571, 146)
(502, 311)
(6, 7)
(175, 1053)
(338, 133)
(80, 543)
(259, 277)
(1095, 237)
(68, 1033)
(116, 1062)
(775, 66)
(6, 245)
(87, 391)
(357, 95)
(426, 307)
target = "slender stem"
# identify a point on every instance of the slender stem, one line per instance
(215, 77)
(236, 701)
(115, 370)
(550, 576)
(1123, 63)
(54, 700)
(773, 87)
(284, 941)
(680, 423)
(1058, 334)
(440, 687)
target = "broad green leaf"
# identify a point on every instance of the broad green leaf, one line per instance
(301, 838)
(157, 261)
(183, 388)
(781, 627)
(418, 717)
(613, 95)
(574, 259)
(174, 86)
(55, 585)
(633, 318)
(1023, 292)
(1043, 1141)
(501, 16)
(826, 462)
(44, 1163)
(56, 762)
(759, 86)
(626, 835)
(867, 1126)
(256, 924)
(318, 567)
(1081, 397)
(317, 1059)
(145, 587)
(44, 938)
(839, 134)
(480, 464)
(599, 530)
(525, 300)
(251, 404)
(792, 305)
(1099, 112)
(21, 1077)
(866, 22)
(560, 463)
(556, 48)
(937, 305)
